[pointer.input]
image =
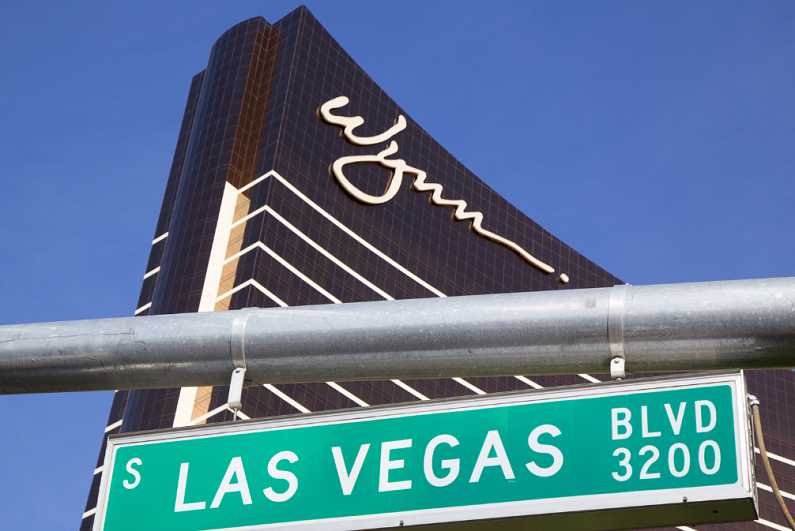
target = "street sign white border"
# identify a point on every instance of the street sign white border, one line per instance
(743, 488)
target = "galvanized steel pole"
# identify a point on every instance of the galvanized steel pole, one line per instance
(746, 324)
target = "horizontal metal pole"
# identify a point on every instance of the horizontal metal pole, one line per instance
(746, 324)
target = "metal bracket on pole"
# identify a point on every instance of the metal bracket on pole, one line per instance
(617, 369)
(237, 351)
(236, 390)
(615, 331)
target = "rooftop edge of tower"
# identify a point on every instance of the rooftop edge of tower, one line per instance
(240, 26)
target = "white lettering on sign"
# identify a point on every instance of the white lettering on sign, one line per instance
(655, 455)
(701, 457)
(557, 456)
(399, 168)
(384, 484)
(644, 423)
(672, 460)
(135, 473)
(700, 404)
(624, 463)
(676, 423)
(494, 442)
(235, 468)
(449, 464)
(289, 477)
(709, 456)
(181, 487)
(492, 454)
(236, 471)
(348, 481)
(621, 422)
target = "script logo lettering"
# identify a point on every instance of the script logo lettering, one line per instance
(399, 168)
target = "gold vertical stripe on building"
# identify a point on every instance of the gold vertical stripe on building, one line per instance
(242, 207)
(247, 146)
(254, 109)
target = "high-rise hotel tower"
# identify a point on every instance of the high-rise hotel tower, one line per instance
(278, 197)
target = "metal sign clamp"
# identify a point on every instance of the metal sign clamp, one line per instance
(615, 331)
(237, 352)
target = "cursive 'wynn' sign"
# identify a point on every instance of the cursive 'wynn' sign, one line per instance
(399, 168)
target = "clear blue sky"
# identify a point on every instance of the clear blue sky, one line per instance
(658, 139)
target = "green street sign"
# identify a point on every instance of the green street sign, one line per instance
(618, 455)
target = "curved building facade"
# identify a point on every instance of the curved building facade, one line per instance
(255, 214)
